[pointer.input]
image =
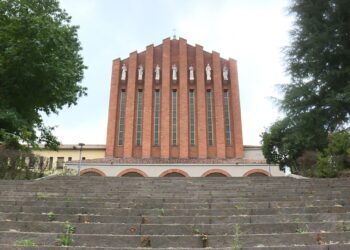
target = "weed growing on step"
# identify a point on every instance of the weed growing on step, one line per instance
(196, 230)
(203, 236)
(69, 228)
(25, 243)
(65, 238)
(51, 216)
(42, 196)
(162, 211)
(300, 229)
(345, 227)
(238, 206)
(236, 245)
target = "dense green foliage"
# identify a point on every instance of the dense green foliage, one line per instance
(40, 68)
(335, 157)
(317, 101)
(15, 164)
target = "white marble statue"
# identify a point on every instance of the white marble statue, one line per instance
(174, 72)
(157, 71)
(191, 73)
(124, 69)
(140, 71)
(208, 71)
(225, 73)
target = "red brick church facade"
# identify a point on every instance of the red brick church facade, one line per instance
(174, 100)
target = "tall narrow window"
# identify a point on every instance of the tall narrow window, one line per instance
(174, 117)
(139, 110)
(210, 118)
(192, 111)
(50, 162)
(156, 117)
(227, 117)
(60, 162)
(121, 125)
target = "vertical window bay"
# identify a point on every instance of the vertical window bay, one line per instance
(192, 111)
(156, 118)
(227, 117)
(174, 117)
(121, 125)
(209, 100)
(139, 110)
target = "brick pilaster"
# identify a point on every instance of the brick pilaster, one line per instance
(236, 111)
(130, 106)
(183, 99)
(112, 110)
(201, 108)
(147, 104)
(165, 100)
(219, 110)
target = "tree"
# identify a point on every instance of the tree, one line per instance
(40, 69)
(286, 141)
(316, 103)
(336, 156)
(318, 61)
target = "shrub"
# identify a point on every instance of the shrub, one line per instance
(17, 164)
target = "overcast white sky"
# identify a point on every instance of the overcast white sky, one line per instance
(251, 31)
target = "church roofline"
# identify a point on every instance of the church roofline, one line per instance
(171, 39)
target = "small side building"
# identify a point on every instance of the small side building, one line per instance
(94, 163)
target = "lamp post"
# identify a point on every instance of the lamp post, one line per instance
(81, 150)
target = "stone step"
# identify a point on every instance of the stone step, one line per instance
(149, 204)
(310, 247)
(144, 196)
(180, 213)
(179, 191)
(313, 247)
(194, 199)
(176, 229)
(176, 241)
(186, 182)
(174, 212)
(229, 193)
(179, 185)
(241, 219)
(196, 179)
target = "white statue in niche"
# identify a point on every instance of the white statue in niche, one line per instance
(225, 73)
(208, 71)
(191, 73)
(174, 72)
(157, 71)
(124, 69)
(140, 71)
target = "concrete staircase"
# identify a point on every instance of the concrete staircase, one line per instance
(175, 213)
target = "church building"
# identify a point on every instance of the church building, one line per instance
(174, 110)
(174, 100)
